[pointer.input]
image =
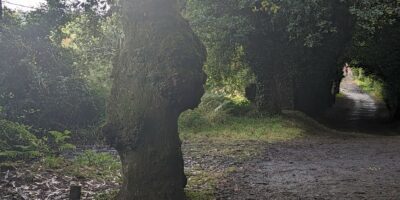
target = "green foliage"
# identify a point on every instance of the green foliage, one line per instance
(214, 109)
(53, 162)
(93, 164)
(93, 49)
(269, 129)
(222, 117)
(375, 46)
(283, 46)
(368, 83)
(104, 161)
(372, 16)
(89, 164)
(38, 84)
(58, 141)
(223, 32)
(16, 142)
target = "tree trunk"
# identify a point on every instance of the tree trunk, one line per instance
(396, 108)
(156, 76)
(267, 96)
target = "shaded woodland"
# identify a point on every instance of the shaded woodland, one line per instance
(140, 77)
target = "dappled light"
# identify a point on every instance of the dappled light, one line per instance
(199, 99)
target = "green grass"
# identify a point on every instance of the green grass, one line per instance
(102, 166)
(200, 195)
(268, 129)
(91, 165)
(201, 185)
(340, 95)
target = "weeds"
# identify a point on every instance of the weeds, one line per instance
(368, 83)
(270, 129)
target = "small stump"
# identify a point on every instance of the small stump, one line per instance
(75, 192)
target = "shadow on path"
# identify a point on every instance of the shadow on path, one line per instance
(320, 168)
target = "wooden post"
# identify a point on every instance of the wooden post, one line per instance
(75, 192)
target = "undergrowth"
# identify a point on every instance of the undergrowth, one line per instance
(90, 164)
(368, 83)
(17, 142)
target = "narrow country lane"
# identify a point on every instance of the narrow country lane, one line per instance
(322, 168)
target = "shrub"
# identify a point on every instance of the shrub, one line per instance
(369, 83)
(103, 161)
(17, 142)
(53, 162)
(57, 141)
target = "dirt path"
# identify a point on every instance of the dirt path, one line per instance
(330, 166)
(320, 168)
(357, 111)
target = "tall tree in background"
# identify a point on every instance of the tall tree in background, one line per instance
(278, 40)
(376, 47)
(38, 84)
(156, 76)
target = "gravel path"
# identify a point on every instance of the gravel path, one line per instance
(330, 166)
(321, 168)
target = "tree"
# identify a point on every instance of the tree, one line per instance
(222, 27)
(294, 51)
(279, 40)
(38, 84)
(375, 46)
(156, 76)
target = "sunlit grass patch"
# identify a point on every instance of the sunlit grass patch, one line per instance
(269, 129)
(368, 83)
(201, 184)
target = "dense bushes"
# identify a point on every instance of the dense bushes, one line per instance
(18, 142)
(38, 85)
